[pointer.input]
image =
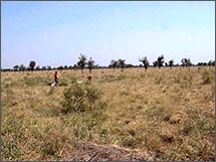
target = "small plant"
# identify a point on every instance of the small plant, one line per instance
(80, 98)
(74, 98)
(92, 94)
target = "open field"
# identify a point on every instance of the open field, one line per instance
(163, 114)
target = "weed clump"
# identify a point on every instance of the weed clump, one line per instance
(80, 98)
(92, 94)
(74, 98)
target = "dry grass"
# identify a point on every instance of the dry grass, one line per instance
(167, 113)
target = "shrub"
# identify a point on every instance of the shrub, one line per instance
(74, 98)
(92, 94)
(80, 98)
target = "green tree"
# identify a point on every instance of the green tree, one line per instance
(43, 68)
(121, 64)
(210, 63)
(32, 65)
(37, 67)
(145, 62)
(160, 61)
(184, 62)
(22, 68)
(171, 62)
(75, 66)
(65, 67)
(16, 67)
(82, 62)
(188, 62)
(155, 63)
(60, 67)
(49, 67)
(90, 65)
(166, 64)
(113, 64)
(213, 63)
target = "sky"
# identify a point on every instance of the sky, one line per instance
(55, 33)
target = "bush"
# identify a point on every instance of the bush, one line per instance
(74, 98)
(92, 94)
(80, 98)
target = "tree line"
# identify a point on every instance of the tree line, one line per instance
(84, 63)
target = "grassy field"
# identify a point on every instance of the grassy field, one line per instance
(168, 113)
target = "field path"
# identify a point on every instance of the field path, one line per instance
(86, 151)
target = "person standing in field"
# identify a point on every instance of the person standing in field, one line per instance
(56, 79)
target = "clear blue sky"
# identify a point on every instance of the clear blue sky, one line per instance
(55, 33)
